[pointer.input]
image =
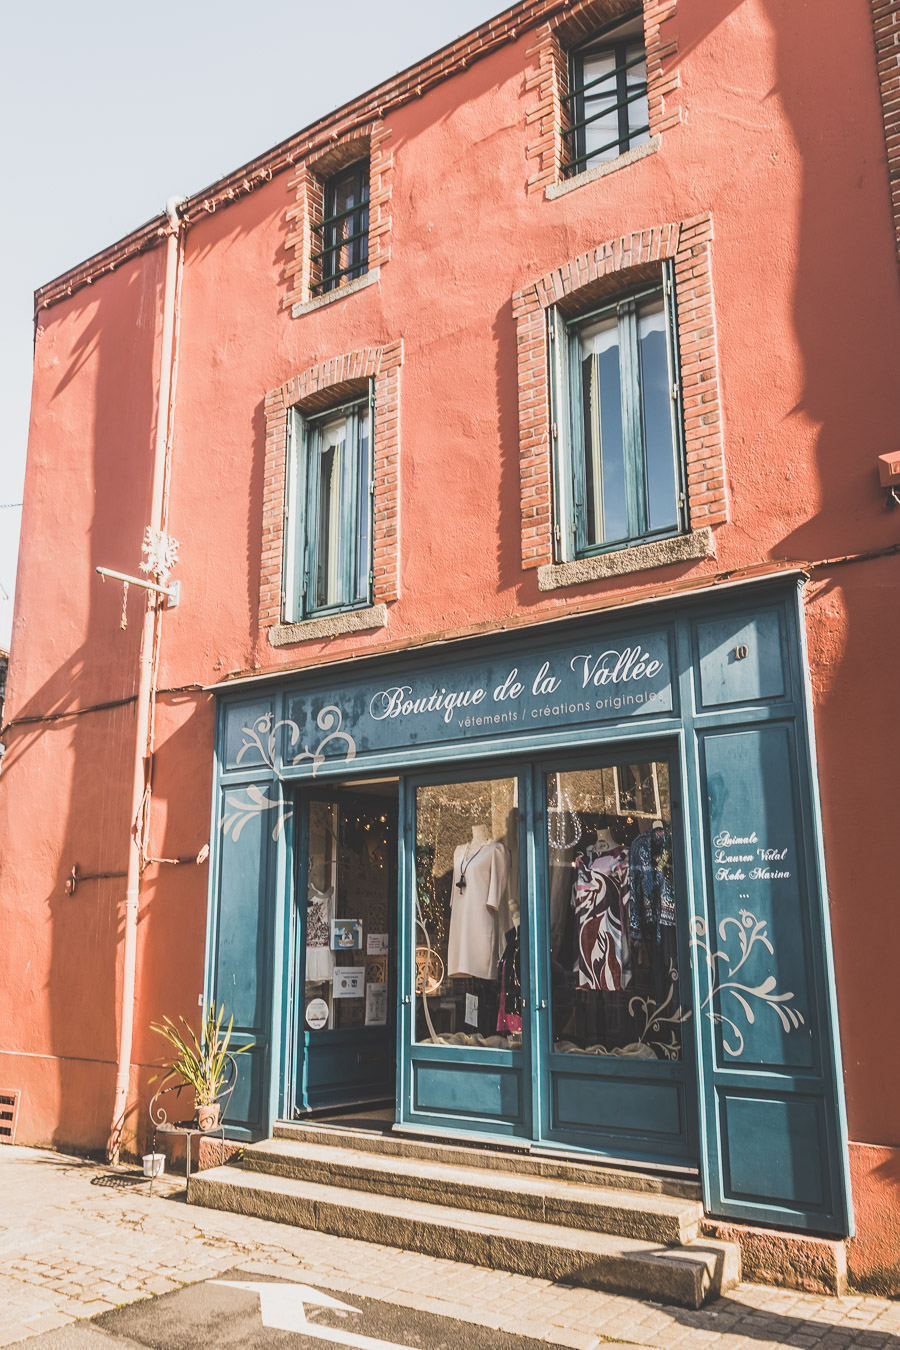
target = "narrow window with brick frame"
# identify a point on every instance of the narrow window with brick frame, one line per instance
(328, 535)
(678, 256)
(606, 109)
(353, 562)
(617, 422)
(341, 237)
(605, 91)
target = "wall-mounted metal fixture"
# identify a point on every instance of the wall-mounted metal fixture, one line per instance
(197, 858)
(889, 475)
(75, 877)
(172, 593)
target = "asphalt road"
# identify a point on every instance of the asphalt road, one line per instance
(241, 1311)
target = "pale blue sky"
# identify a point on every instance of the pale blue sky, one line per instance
(107, 108)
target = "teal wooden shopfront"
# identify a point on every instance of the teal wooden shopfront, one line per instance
(561, 887)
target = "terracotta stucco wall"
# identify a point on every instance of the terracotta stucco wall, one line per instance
(807, 314)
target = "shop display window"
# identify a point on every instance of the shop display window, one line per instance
(467, 959)
(347, 914)
(614, 979)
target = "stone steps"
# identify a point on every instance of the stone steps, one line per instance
(522, 1160)
(576, 1204)
(686, 1275)
(553, 1217)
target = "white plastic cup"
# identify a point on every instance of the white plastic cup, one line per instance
(154, 1164)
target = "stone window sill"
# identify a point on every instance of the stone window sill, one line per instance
(341, 293)
(659, 553)
(328, 625)
(600, 170)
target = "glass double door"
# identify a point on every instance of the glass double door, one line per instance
(346, 967)
(550, 953)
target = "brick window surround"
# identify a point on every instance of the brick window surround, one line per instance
(339, 380)
(577, 286)
(308, 183)
(547, 118)
(886, 23)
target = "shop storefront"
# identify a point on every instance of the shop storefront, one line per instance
(561, 887)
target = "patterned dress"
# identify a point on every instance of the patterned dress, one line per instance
(600, 900)
(652, 886)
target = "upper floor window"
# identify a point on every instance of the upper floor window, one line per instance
(617, 423)
(341, 251)
(328, 535)
(607, 103)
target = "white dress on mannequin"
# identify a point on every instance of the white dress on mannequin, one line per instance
(473, 948)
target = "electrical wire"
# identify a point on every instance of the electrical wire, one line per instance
(97, 707)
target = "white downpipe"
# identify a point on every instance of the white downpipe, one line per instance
(145, 690)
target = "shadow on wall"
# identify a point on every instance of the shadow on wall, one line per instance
(839, 300)
(89, 798)
(216, 338)
(873, 1259)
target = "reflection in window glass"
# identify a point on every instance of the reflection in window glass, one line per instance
(623, 424)
(605, 508)
(614, 978)
(608, 102)
(467, 915)
(656, 412)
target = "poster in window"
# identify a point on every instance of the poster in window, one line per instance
(346, 935)
(376, 1005)
(348, 982)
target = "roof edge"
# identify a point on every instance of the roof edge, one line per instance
(408, 84)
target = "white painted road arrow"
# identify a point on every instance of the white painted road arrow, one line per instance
(281, 1308)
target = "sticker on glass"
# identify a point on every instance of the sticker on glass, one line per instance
(317, 1014)
(346, 935)
(348, 982)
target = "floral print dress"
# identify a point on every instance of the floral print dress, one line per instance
(600, 900)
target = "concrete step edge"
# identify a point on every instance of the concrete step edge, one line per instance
(521, 1160)
(580, 1204)
(682, 1275)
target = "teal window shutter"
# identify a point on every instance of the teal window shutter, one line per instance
(564, 511)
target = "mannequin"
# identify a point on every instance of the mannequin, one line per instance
(480, 876)
(605, 840)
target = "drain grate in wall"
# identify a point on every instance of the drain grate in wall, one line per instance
(9, 1110)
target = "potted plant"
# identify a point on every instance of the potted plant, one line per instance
(199, 1064)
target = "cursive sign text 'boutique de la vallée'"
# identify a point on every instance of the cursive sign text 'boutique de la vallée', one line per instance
(628, 666)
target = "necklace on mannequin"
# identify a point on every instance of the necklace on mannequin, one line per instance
(467, 863)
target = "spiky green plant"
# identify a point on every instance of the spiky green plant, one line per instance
(200, 1064)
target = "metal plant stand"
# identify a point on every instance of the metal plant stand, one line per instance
(160, 1110)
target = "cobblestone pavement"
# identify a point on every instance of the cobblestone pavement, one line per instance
(77, 1238)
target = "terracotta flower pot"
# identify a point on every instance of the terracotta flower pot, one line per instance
(208, 1116)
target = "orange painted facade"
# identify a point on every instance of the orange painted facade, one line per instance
(775, 133)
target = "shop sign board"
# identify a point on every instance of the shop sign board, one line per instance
(441, 701)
